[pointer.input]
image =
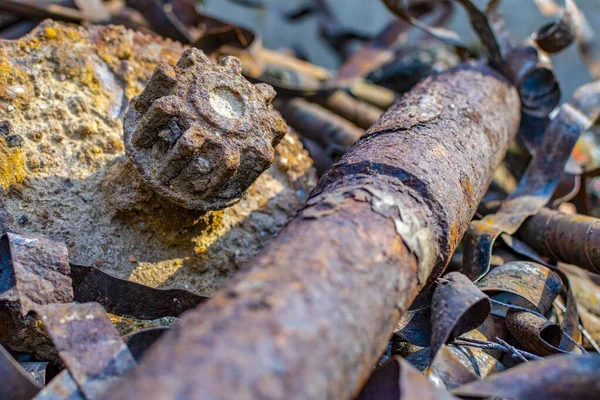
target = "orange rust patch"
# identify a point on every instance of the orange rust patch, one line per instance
(454, 237)
(467, 187)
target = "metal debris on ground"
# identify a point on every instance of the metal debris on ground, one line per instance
(163, 234)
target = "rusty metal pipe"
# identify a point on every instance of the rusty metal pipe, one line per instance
(311, 314)
(573, 239)
(319, 124)
(356, 111)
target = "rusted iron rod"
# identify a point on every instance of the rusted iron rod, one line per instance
(319, 124)
(311, 314)
(356, 111)
(574, 239)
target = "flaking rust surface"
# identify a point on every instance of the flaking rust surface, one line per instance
(63, 93)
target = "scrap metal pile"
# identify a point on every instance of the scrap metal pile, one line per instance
(163, 233)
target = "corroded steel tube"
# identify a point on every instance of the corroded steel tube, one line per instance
(319, 124)
(311, 314)
(356, 111)
(574, 239)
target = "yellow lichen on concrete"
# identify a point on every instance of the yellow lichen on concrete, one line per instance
(12, 165)
(71, 130)
(50, 33)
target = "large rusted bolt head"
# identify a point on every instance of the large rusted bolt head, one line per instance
(200, 134)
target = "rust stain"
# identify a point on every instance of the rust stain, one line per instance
(467, 188)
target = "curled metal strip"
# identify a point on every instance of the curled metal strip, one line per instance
(539, 182)
(535, 285)
(122, 297)
(457, 307)
(531, 72)
(570, 324)
(557, 36)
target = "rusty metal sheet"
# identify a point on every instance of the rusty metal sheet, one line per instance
(122, 297)
(531, 71)
(539, 182)
(457, 307)
(16, 383)
(538, 285)
(398, 380)
(41, 270)
(88, 344)
(559, 377)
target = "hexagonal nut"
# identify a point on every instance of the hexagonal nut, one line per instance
(200, 134)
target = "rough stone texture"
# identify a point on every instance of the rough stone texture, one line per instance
(63, 92)
(201, 134)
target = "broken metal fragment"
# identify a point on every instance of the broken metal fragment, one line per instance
(573, 239)
(457, 307)
(200, 134)
(398, 380)
(381, 222)
(560, 377)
